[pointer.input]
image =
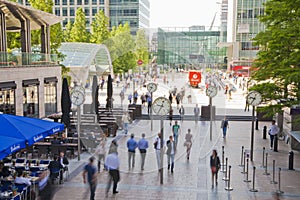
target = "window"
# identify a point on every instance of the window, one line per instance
(79, 2)
(57, 11)
(64, 12)
(86, 2)
(31, 98)
(64, 2)
(50, 95)
(7, 97)
(71, 2)
(94, 11)
(72, 12)
(101, 2)
(57, 2)
(87, 11)
(94, 2)
(249, 46)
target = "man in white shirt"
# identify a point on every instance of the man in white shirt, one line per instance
(20, 179)
(157, 147)
(273, 131)
(112, 163)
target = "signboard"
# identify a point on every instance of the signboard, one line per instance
(140, 62)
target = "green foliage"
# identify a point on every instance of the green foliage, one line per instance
(121, 46)
(79, 32)
(67, 32)
(100, 28)
(141, 47)
(278, 60)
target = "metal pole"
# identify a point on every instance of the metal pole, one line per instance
(223, 156)
(161, 150)
(273, 181)
(243, 172)
(210, 126)
(241, 165)
(252, 134)
(263, 157)
(225, 171)
(253, 185)
(228, 188)
(279, 185)
(247, 173)
(78, 130)
(151, 113)
(266, 169)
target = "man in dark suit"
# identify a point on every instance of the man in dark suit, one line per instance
(55, 168)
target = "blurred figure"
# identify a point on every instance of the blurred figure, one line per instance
(143, 146)
(171, 153)
(214, 166)
(196, 113)
(101, 151)
(188, 143)
(90, 170)
(112, 163)
(131, 145)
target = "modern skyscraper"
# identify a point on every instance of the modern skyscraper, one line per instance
(135, 12)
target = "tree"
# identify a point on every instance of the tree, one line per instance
(67, 32)
(100, 28)
(141, 46)
(121, 46)
(79, 32)
(278, 60)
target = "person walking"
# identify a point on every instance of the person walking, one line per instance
(143, 146)
(224, 126)
(196, 113)
(171, 150)
(149, 102)
(112, 163)
(157, 147)
(181, 112)
(273, 132)
(125, 120)
(101, 151)
(188, 143)
(175, 131)
(214, 166)
(171, 115)
(131, 145)
(90, 170)
(170, 97)
(129, 98)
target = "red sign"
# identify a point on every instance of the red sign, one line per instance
(139, 62)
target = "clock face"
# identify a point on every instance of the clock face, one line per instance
(254, 98)
(79, 88)
(211, 91)
(77, 97)
(151, 87)
(161, 106)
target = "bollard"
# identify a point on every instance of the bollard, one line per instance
(263, 157)
(256, 123)
(243, 172)
(228, 188)
(226, 164)
(223, 153)
(291, 160)
(241, 165)
(266, 168)
(273, 181)
(275, 143)
(247, 173)
(265, 132)
(253, 183)
(279, 189)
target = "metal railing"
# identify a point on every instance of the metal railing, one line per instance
(29, 59)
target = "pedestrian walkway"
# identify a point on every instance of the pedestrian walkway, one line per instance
(191, 179)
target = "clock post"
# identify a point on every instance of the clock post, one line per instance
(211, 92)
(78, 130)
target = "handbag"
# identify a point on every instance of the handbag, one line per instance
(214, 169)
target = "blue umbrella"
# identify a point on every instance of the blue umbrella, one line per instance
(10, 145)
(30, 130)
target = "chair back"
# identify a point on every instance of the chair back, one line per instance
(20, 160)
(45, 162)
(21, 187)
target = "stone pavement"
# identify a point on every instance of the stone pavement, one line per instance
(192, 178)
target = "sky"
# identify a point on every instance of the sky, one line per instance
(183, 13)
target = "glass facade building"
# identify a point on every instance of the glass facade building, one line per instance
(193, 45)
(135, 12)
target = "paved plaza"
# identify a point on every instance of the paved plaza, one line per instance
(191, 179)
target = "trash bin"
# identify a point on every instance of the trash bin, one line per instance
(265, 132)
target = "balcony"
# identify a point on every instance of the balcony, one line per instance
(27, 59)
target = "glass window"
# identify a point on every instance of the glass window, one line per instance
(101, 2)
(65, 22)
(86, 2)
(31, 101)
(71, 2)
(64, 12)
(57, 11)
(94, 2)
(87, 11)
(72, 12)
(94, 11)
(7, 101)
(64, 2)
(79, 2)
(57, 2)
(50, 98)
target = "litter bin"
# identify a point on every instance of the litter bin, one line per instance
(265, 132)
(291, 160)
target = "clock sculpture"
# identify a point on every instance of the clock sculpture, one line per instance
(211, 91)
(161, 106)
